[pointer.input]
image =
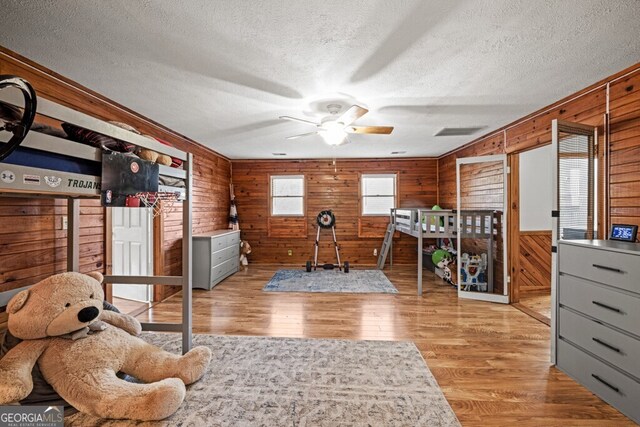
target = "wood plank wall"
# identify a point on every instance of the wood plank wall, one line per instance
(620, 132)
(329, 189)
(535, 260)
(32, 244)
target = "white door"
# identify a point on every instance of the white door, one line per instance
(482, 228)
(132, 250)
(573, 177)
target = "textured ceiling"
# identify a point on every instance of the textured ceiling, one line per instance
(221, 72)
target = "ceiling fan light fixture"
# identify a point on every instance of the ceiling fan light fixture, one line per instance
(333, 133)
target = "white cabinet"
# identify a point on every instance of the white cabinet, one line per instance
(215, 257)
(598, 314)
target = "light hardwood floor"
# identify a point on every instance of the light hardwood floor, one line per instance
(491, 360)
(538, 302)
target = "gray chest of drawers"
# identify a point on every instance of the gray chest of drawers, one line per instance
(598, 319)
(215, 257)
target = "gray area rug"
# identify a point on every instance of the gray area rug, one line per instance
(355, 281)
(254, 381)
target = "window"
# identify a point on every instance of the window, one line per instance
(287, 195)
(378, 193)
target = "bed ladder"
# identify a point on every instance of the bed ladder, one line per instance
(386, 244)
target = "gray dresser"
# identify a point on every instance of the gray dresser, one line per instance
(215, 257)
(598, 319)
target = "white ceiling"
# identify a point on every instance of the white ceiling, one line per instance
(221, 72)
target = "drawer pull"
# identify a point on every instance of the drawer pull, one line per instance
(604, 267)
(608, 307)
(616, 389)
(609, 346)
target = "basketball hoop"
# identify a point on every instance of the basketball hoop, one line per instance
(161, 202)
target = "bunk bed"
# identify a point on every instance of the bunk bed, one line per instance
(426, 223)
(48, 164)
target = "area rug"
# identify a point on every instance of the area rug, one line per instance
(355, 281)
(263, 381)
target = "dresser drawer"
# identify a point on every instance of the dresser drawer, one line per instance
(221, 271)
(605, 304)
(222, 255)
(610, 385)
(218, 242)
(611, 268)
(618, 349)
(233, 239)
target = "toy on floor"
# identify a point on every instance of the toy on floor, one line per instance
(473, 272)
(441, 258)
(79, 348)
(245, 249)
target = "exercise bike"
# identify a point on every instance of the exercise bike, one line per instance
(325, 220)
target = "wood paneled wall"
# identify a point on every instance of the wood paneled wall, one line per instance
(329, 188)
(32, 243)
(447, 166)
(535, 260)
(624, 186)
(618, 132)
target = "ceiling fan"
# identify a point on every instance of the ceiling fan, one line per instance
(334, 129)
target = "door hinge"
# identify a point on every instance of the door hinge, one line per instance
(508, 169)
(508, 279)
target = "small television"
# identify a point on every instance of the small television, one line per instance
(123, 176)
(624, 232)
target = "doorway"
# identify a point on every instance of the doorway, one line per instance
(534, 240)
(482, 200)
(131, 253)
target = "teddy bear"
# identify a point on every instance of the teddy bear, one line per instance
(245, 249)
(79, 348)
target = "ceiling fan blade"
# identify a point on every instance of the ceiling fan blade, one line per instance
(352, 114)
(380, 130)
(301, 135)
(295, 119)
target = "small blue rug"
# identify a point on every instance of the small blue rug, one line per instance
(355, 281)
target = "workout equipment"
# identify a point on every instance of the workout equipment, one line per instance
(326, 219)
(18, 128)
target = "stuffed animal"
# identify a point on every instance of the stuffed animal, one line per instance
(79, 348)
(444, 265)
(245, 249)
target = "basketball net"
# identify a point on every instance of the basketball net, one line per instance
(162, 202)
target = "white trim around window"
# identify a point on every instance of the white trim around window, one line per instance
(378, 193)
(287, 194)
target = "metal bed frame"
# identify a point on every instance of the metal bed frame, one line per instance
(425, 223)
(73, 194)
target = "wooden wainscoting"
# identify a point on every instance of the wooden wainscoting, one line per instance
(535, 260)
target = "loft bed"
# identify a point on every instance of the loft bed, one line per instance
(426, 223)
(48, 164)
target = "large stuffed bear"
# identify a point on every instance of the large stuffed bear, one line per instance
(79, 348)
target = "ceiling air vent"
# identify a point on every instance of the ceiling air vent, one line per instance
(458, 131)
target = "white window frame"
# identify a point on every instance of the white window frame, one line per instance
(363, 176)
(272, 197)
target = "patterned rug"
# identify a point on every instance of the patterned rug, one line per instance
(255, 381)
(355, 281)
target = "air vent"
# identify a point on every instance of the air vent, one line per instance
(458, 131)
(279, 154)
(397, 152)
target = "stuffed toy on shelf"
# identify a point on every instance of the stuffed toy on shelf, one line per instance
(79, 348)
